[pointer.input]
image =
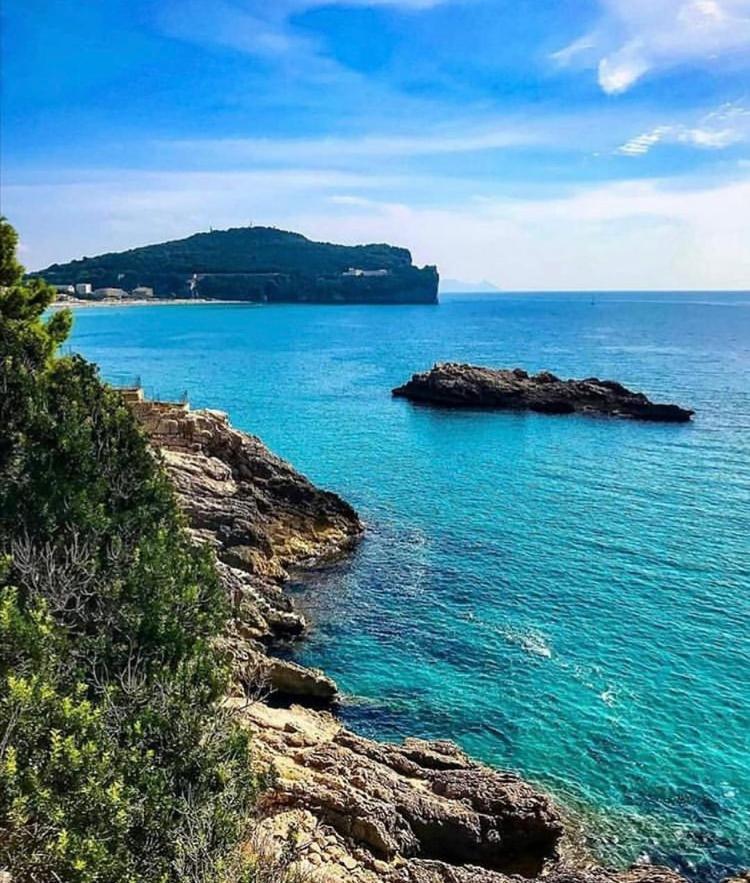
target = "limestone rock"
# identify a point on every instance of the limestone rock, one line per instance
(439, 872)
(419, 812)
(416, 800)
(291, 679)
(256, 511)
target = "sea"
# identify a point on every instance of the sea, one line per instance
(565, 596)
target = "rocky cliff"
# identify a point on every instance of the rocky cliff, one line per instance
(467, 386)
(258, 264)
(354, 810)
(261, 517)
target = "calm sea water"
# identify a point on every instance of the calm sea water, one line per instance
(566, 596)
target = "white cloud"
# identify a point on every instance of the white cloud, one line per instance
(246, 27)
(643, 143)
(710, 138)
(459, 138)
(618, 72)
(634, 234)
(635, 37)
(580, 47)
(403, 4)
(129, 208)
(728, 125)
(588, 133)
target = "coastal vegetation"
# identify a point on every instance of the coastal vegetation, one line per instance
(118, 760)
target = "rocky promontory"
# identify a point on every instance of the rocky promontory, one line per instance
(417, 812)
(261, 517)
(456, 385)
(340, 808)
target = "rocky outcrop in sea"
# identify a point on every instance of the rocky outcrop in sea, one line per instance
(359, 811)
(456, 385)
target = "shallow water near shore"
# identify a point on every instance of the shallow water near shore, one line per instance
(565, 596)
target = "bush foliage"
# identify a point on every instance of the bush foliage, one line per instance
(117, 760)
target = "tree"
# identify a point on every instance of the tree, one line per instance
(118, 761)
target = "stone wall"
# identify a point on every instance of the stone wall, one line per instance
(173, 425)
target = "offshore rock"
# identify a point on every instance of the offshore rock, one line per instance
(456, 385)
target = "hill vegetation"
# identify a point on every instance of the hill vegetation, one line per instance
(257, 263)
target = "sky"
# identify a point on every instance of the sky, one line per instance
(535, 144)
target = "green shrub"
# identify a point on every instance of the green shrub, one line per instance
(118, 761)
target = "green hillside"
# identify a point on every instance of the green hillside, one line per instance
(258, 264)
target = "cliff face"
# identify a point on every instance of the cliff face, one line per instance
(259, 264)
(360, 811)
(260, 516)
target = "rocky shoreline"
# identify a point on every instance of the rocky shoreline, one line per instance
(358, 810)
(456, 385)
(261, 517)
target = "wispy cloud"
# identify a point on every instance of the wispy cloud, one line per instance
(259, 27)
(635, 37)
(459, 139)
(254, 28)
(403, 4)
(641, 144)
(632, 234)
(175, 202)
(728, 125)
(451, 141)
(656, 233)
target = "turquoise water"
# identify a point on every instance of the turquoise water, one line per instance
(566, 596)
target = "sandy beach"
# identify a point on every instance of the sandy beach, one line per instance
(146, 302)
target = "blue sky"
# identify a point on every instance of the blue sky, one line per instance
(535, 143)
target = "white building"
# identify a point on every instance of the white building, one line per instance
(141, 292)
(353, 271)
(64, 289)
(83, 289)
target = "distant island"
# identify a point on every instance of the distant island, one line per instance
(255, 264)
